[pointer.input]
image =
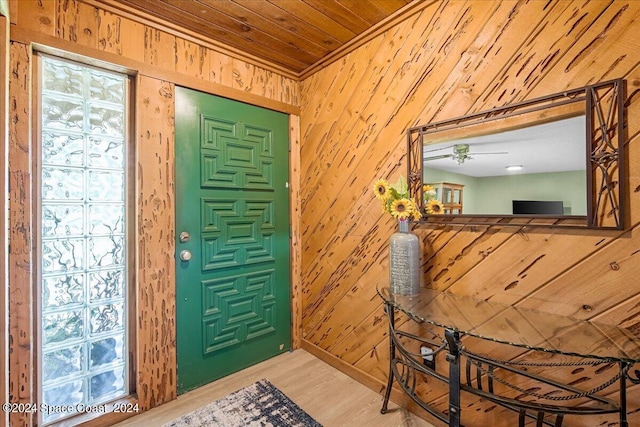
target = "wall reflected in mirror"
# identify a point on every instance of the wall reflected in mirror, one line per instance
(536, 170)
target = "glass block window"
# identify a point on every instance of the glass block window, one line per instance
(83, 300)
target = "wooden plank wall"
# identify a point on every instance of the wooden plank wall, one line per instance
(158, 60)
(21, 371)
(451, 59)
(4, 137)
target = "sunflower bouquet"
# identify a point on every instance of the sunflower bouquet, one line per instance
(431, 204)
(395, 199)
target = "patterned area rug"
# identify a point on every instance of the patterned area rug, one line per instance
(260, 404)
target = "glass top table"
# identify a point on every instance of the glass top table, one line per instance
(516, 326)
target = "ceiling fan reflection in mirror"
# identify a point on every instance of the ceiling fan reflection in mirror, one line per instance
(460, 153)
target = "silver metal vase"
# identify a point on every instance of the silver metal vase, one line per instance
(404, 261)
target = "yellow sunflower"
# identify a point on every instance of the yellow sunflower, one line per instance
(427, 188)
(416, 213)
(402, 208)
(434, 207)
(382, 189)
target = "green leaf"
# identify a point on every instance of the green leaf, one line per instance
(401, 187)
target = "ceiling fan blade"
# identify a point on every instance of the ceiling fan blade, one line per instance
(444, 156)
(496, 152)
(424, 150)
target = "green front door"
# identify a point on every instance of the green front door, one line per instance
(232, 243)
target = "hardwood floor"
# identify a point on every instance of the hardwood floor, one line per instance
(331, 397)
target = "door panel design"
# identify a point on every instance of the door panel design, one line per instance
(236, 233)
(232, 162)
(237, 309)
(232, 201)
(213, 129)
(260, 136)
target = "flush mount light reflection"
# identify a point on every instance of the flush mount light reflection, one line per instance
(514, 167)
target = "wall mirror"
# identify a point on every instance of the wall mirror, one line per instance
(554, 161)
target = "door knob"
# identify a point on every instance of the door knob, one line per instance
(185, 255)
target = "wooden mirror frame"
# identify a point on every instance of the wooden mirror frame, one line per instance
(604, 107)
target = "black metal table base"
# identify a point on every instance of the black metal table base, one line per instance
(481, 377)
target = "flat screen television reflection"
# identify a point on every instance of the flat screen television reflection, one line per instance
(537, 207)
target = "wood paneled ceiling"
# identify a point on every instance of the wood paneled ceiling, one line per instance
(291, 34)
